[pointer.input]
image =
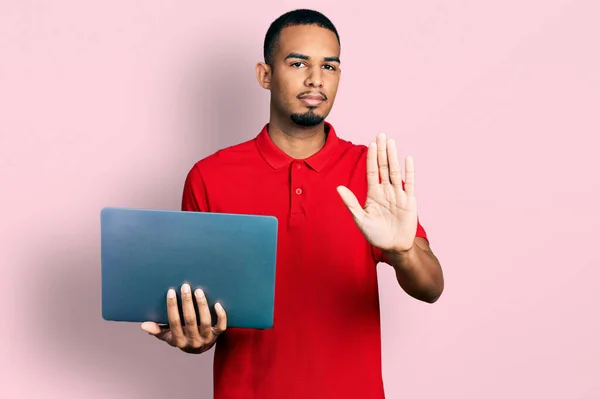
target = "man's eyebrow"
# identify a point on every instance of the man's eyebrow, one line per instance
(297, 55)
(305, 57)
(332, 59)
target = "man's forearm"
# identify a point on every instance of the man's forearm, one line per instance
(418, 272)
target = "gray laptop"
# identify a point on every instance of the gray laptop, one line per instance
(231, 257)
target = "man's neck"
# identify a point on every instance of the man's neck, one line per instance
(297, 141)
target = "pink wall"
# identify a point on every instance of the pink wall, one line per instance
(110, 103)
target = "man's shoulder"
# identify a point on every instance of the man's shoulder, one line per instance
(351, 146)
(232, 156)
(351, 150)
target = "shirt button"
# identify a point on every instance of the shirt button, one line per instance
(298, 166)
(298, 191)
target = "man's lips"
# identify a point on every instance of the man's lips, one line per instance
(312, 99)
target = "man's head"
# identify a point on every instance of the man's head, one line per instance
(301, 67)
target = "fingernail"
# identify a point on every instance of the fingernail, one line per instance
(219, 307)
(186, 288)
(171, 293)
(199, 293)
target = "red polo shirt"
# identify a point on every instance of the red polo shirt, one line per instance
(325, 342)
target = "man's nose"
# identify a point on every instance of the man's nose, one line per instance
(315, 78)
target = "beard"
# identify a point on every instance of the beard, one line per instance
(307, 119)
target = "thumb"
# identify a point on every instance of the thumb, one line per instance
(351, 202)
(151, 328)
(160, 332)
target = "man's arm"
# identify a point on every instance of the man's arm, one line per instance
(418, 271)
(388, 220)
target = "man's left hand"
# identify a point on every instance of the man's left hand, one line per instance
(389, 217)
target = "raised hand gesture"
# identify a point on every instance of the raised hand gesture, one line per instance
(389, 217)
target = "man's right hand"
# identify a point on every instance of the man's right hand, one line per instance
(193, 337)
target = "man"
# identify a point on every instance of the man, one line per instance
(325, 342)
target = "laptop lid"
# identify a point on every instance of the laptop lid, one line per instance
(230, 257)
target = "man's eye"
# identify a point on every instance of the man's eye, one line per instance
(330, 67)
(297, 64)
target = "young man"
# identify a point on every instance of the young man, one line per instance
(325, 342)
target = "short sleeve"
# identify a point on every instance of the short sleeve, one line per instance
(194, 197)
(378, 253)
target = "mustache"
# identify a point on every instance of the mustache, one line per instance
(312, 93)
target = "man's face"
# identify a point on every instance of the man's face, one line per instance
(305, 75)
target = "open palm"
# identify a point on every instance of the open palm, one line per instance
(389, 217)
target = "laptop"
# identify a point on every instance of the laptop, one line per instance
(231, 257)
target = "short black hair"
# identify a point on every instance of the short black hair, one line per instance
(293, 18)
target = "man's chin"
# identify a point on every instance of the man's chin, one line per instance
(307, 119)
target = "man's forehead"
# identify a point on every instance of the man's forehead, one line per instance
(313, 38)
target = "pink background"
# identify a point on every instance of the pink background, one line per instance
(110, 104)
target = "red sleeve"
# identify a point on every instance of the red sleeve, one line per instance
(194, 197)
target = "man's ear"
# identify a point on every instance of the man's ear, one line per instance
(263, 75)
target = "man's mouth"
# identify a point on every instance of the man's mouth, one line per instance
(312, 99)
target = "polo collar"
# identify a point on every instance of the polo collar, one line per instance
(278, 159)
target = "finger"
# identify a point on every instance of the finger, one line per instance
(221, 320)
(189, 313)
(409, 185)
(174, 320)
(382, 159)
(372, 172)
(151, 328)
(395, 169)
(351, 202)
(161, 332)
(204, 312)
